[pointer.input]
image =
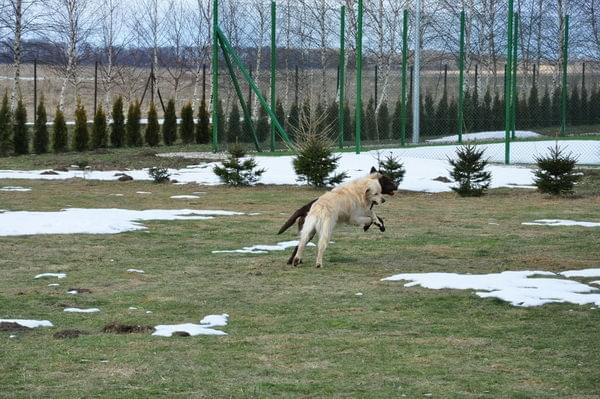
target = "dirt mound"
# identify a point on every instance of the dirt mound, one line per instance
(118, 328)
(68, 334)
(12, 327)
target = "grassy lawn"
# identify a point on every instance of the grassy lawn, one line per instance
(298, 332)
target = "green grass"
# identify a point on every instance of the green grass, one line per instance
(298, 332)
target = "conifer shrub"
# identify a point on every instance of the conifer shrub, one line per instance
(391, 167)
(117, 131)
(469, 172)
(5, 127)
(158, 174)
(152, 133)
(99, 129)
(369, 129)
(81, 136)
(262, 125)
(59, 132)
(169, 127)
(186, 128)
(280, 113)
(555, 172)
(20, 130)
(383, 121)
(235, 171)
(203, 126)
(41, 137)
(315, 163)
(234, 128)
(132, 126)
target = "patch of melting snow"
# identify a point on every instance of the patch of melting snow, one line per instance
(597, 282)
(28, 323)
(582, 273)
(204, 328)
(94, 220)
(57, 275)
(184, 196)
(263, 248)
(135, 271)
(514, 287)
(561, 222)
(73, 292)
(15, 188)
(143, 192)
(78, 310)
(53, 285)
(117, 195)
(132, 308)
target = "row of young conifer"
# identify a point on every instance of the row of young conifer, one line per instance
(378, 124)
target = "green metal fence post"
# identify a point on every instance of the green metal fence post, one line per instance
(403, 112)
(214, 66)
(461, 78)
(358, 101)
(563, 93)
(273, 63)
(342, 77)
(508, 89)
(514, 75)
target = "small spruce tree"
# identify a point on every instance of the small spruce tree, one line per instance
(486, 111)
(99, 129)
(20, 130)
(132, 126)
(555, 173)
(117, 132)
(392, 168)
(203, 126)
(5, 127)
(468, 171)
(237, 172)
(383, 121)
(234, 128)
(80, 131)
(186, 129)
(152, 133)
(169, 127)
(59, 132)
(41, 137)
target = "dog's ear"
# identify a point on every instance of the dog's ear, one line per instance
(373, 170)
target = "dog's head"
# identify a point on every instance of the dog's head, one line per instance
(388, 186)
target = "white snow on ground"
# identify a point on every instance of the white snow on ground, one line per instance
(78, 310)
(57, 275)
(54, 285)
(15, 188)
(492, 135)
(263, 249)
(514, 287)
(184, 196)
(28, 323)
(582, 273)
(94, 221)
(204, 328)
(143, 192)
(561, 222)
(135, 271)
(422, 164)
(597, 282)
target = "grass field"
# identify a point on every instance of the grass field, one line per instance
(298, 332)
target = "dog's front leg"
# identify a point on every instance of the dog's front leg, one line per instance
(377, 221)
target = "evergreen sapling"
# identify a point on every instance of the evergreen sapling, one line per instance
(468, 171)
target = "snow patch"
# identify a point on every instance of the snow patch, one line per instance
(184, 196)
(15, 188)
(135, 271)
(264, 248)
(28, 323)
(94, 221)
(582, 273)
(78, 310)
(561, 222)
(57, 275)
(204, 328)
(514, 287)
(492, 135)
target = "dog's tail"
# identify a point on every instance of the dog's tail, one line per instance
(299, 214)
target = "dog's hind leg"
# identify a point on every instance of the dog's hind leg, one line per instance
(291, 258)
(325, 231)
(307, 233)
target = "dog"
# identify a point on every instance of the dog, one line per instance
(350, 203)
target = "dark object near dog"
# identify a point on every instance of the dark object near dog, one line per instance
(125, 178)
(443, 179)
(68, 334)
(381, 225)
(119, 328)
(12, 327)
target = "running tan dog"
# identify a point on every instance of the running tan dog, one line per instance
(349, 203)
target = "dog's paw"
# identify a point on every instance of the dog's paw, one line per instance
(318, 265)
(297, 261)
(367, 226)
(380, 224)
